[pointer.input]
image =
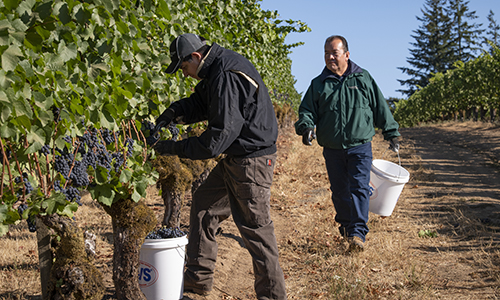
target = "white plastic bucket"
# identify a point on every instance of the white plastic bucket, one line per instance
(161, 270)
(387, 180)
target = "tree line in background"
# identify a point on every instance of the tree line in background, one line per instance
(448, 34)
(453, 66)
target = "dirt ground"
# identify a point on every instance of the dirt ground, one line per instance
(454, 191)
(441, 242)
(463, 201)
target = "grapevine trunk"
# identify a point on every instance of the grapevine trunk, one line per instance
(131, 223)
(173, 204)
(73, 275)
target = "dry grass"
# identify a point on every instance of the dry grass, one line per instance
(19, 275)
(462, 262)
(315, 252)
(19, 270)
(398, 263)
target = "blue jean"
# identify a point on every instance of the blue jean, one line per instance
(349, 174)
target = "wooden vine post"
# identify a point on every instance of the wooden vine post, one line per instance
(44, 255)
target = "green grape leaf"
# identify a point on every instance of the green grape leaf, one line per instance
(10, 58)
(103, 194)
(69, 209)
(126, 176)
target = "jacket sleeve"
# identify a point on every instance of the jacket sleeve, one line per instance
(194, 108)
(382, 115)
(225, 120)
(308, 112)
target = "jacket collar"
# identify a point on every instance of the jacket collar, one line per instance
(352, 68)
(202, 63)
(207, 61)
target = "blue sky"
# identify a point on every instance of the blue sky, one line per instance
(378, 33)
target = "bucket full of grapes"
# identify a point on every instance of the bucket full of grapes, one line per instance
(161, 259)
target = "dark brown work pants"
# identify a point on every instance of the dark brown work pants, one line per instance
(241, 187)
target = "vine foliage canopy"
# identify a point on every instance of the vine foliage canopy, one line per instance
(80, 77)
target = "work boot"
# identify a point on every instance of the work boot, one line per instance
(356, 244)
(190, 286)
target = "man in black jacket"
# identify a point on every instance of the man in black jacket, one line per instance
(242, 125)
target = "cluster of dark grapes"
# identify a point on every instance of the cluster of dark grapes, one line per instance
(30, 220)
(63, 161)
(147, 126)
(108, 136)
(104, 158)
(79, 174)
(154, 136)
(22, 207)
(45, 150)
(28, 188)
(89, 159)
(72, 169)
(174, 131)
(165, 233)
(7, 153)
(26, 184)
(119, 160)
(72, 193)
(149, 129)
(89, 140)
(92, 147)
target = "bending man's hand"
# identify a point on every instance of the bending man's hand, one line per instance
(165, 118)
(165, 147)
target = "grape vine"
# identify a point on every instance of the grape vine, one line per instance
(58, 80)
(470, 86)
(79, 80)
(96, 154)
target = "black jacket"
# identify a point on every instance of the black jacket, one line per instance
(241, 117)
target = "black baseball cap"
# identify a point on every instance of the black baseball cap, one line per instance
(181, 47)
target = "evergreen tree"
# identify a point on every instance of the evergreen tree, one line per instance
(465, 34)
(431, 49)
(493, 33)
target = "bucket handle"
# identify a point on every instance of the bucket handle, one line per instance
(399, 158)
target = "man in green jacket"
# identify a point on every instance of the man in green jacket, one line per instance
(345, 105)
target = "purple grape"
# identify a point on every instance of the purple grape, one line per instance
(45, 149)
(166, 233)
(174, 131)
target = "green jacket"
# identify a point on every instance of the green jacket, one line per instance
(345, 110)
